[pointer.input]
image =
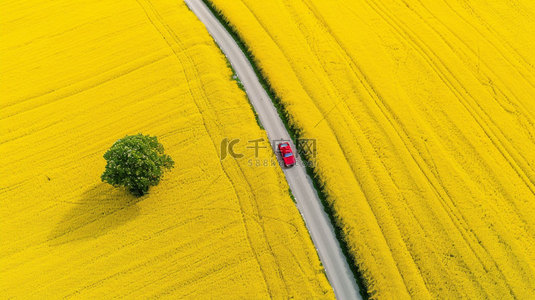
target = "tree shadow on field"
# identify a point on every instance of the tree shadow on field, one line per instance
(100, 209)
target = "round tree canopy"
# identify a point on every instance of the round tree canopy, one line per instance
(136, 162)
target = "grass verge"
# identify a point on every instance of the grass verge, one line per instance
(235, 77)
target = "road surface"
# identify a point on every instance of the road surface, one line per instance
(308, 202)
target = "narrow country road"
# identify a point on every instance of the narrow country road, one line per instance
(308, 202)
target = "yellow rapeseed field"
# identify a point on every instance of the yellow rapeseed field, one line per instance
(78, 75)
(424, 116)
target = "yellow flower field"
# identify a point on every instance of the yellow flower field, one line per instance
(424, 116)
(78, 75)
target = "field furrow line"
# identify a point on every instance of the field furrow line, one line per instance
(404, 136)
(523, 63)
(517, 162)
(254, 202)
(457, 93)
(244, 220)
(355, 123)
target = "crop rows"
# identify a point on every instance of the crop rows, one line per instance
(424, 121)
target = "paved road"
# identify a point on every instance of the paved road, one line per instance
(308, 202)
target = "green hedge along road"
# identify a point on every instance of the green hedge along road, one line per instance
(308, 202)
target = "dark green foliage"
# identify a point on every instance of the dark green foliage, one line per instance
(136, 162)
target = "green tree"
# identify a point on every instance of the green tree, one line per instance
(136, 162)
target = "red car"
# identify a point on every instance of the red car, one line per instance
(287, 154)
